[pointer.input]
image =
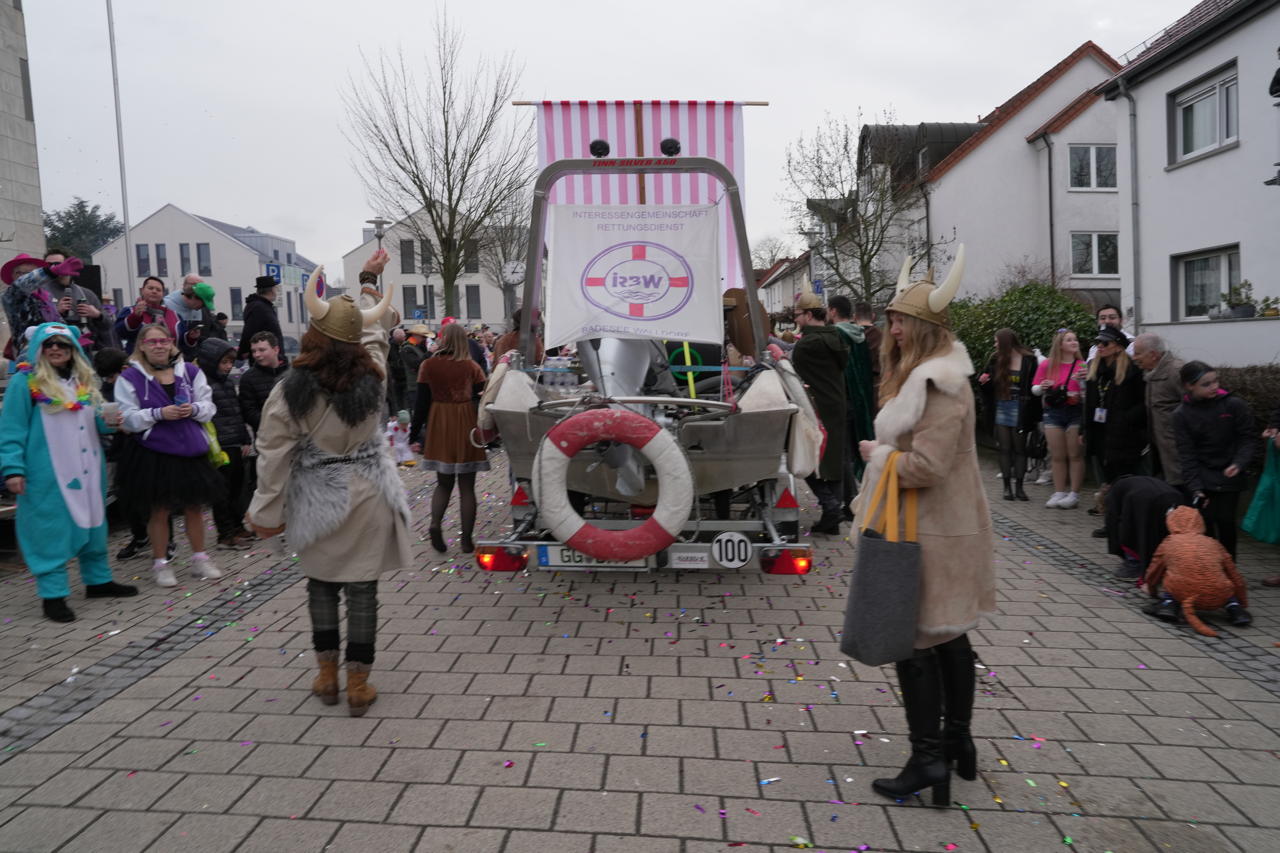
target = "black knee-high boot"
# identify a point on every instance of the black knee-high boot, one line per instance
(955, 660)
(921, 684)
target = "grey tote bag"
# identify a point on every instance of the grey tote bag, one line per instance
(884, 589)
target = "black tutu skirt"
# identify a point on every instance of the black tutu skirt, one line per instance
(147, 480)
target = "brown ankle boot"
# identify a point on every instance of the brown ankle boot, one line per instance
(360, 693)
(326, 684)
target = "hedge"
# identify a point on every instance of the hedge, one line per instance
(1036, 311)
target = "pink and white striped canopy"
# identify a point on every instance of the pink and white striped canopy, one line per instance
(635, 129)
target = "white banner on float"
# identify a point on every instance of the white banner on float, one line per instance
(633, 272)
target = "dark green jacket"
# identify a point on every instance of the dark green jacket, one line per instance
(860, 406)
(820, 357)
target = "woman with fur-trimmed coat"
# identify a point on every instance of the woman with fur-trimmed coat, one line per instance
(927, 413)
(325, 476)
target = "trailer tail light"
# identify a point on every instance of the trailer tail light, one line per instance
(786, 561)
(520, 498)
(496, 558)
(786, 500)
(638, 512)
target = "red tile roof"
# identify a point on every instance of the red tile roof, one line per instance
(1066, 115)
(1010, 108)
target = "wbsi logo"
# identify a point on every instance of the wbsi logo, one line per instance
(638, 280)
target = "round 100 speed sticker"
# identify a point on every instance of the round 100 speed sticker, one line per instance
(731, 550)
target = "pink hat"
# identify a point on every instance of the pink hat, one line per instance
(447, 320)
(6, 271)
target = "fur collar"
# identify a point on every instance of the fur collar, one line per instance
(352, 406)
(949, 373)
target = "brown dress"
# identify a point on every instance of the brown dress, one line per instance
(448, 448)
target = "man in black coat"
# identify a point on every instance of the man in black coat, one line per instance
(819, 358)
(260, 314)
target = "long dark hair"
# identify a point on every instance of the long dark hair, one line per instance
(1007, 343)
(336, 365)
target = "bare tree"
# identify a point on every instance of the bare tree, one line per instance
(1024, 271)
(439, 149)
(767, 251)
(856, 198)
(506, 239)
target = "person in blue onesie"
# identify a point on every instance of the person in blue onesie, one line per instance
(51, 459)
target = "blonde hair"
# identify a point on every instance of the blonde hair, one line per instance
(1055, 355)
(922, 341)
(452, 343)
(1122, 365)
(45, 378)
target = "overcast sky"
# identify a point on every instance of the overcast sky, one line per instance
(232, 109)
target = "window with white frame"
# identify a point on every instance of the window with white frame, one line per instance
(1095, 254)
(1092, 167)
(1206, 115)
(1204, 277)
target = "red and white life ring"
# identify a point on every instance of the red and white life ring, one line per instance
(550, 484)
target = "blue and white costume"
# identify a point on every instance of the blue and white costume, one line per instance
(62, 513)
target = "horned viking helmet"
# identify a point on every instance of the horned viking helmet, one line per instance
(340, 318)
(923, 299)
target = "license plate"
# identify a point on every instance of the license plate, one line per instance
(562, 556)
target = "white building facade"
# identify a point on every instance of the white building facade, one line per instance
(1200, 175)
(413, 274)
(1033, 193)
(781, 286)
(171, 243)
(21, 222)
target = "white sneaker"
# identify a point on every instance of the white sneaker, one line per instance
(1044, 479)
(1069, 502)
(163, 574)
(1055, 499)
(203, 568)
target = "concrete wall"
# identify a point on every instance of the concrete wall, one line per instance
(995, 199)
(491, 309)
(1226, 343)
(1218, 200)
(234, 265)
(21, 224)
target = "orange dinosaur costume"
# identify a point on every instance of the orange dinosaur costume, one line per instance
(1197, 572)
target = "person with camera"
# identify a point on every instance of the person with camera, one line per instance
(194, 305)
(149, 309)
(79, 306)
(1059, 380)
(1216, 441)
(166, 402)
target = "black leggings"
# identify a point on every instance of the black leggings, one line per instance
(1220, 518)
(362, 617)
(1013, 454)
(466, 499)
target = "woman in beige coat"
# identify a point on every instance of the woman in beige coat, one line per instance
(927, 412)
(324, 474)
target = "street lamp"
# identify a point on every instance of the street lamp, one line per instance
(379, 228)
(379, 231)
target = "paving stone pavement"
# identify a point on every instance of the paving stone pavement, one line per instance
(629, 714)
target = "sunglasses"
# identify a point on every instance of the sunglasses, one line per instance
(56, 345)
